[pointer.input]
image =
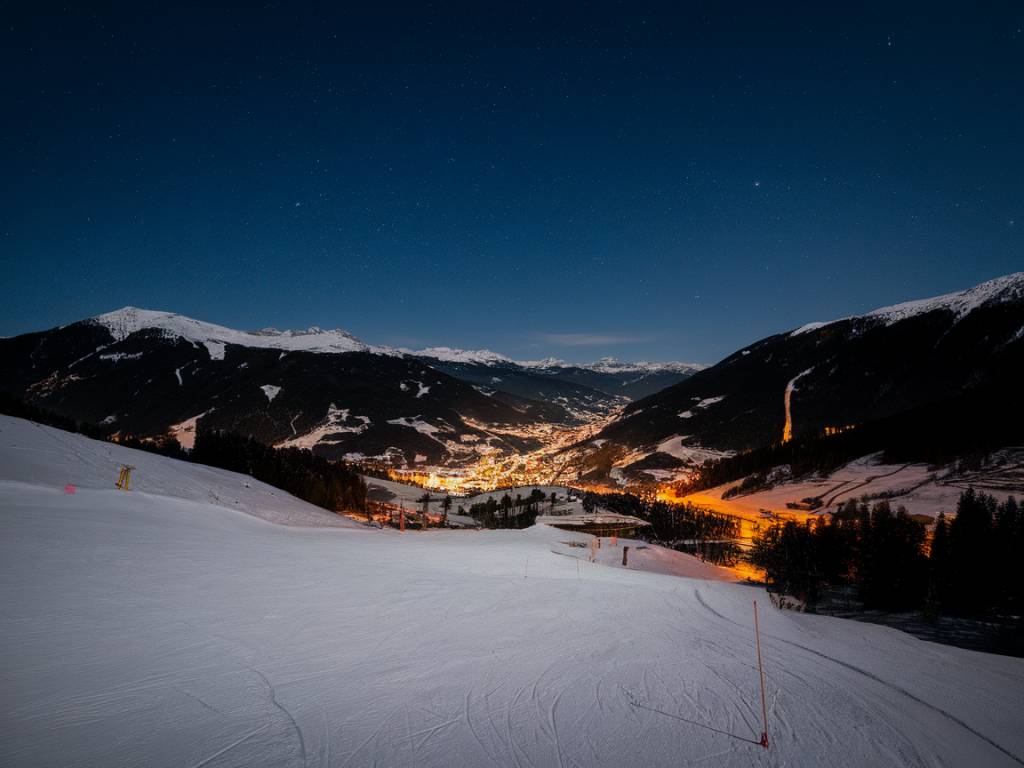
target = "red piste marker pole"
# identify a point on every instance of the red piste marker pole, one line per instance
(760, 669)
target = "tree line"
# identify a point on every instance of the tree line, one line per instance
(508, 512)
(966, 568)
(328, 484)
(684, 527)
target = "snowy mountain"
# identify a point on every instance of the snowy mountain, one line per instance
(549, 364)
(833, 375)
(629, 380)
(469, 356)
(124, 322)
(153, 373)
(150, 373)
(614, 366)
(1002, 290)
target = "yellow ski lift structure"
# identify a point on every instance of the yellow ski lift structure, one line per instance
(124, 477)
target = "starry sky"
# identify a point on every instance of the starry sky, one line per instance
(647, 182)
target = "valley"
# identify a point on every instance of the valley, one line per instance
(470, 420)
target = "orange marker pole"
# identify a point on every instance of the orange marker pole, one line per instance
(760, 669)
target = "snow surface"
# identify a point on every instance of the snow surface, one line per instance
(787, 403)
(338, 420)
(415, 422)
(185, 431)
(707, 402)
(695, 454)
(395, 493)
(118, 356)
(163, 627)
(960, 303)
(216, 349)
(47, 459)
(271, 391)
(921, 489)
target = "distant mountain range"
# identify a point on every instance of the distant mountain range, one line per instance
(150, 373)
(825, 377)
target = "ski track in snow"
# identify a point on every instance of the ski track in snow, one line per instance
(279, 706)
(871, 676)
(154, 628)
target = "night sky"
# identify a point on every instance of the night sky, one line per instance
(648, 184)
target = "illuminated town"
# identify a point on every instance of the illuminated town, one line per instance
(548, 465)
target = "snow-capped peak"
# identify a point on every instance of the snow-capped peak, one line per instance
(123, 322)
(960, 303)
(547, 362)
(612, 365)
(604, 365)
(128, 320)
(450, 355)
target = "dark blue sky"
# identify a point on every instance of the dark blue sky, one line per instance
(666, 183)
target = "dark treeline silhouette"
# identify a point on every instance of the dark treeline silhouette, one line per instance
(879, 551)
(685, 527)
(327, 484)
(974, 557)
(669, 522)
(508, 512)
(13, 406)
(331, 485)
(971, 424)
(967, 569)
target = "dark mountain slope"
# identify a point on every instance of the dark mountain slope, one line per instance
(144, 373)
(575, 402)
(842, 373)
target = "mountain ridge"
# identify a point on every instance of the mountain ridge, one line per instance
(130, 319)
(824, 377)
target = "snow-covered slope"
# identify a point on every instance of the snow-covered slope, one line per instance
(1003, 289)
(36, 455)
(123, 322)
(155, 629)
(920, 488)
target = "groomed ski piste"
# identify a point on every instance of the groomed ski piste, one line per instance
(205, 619)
